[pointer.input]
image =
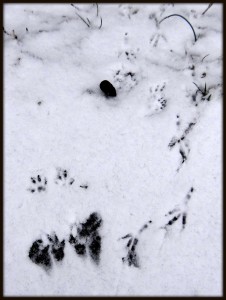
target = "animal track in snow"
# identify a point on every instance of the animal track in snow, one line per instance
(39, 254)
(179, 212)
(125, 80)
(39, 184)
(132, 258)
(182, 141)
(88, 238)
(63, 178)
(156, 101)
(57, 247)
(126, 10)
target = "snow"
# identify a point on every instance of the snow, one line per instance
(56, 118)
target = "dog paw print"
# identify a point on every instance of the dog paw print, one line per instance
(63, 178)
(157, 100)
(57, 247)
(39, 184)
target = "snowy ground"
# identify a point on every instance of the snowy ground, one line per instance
(148, 161)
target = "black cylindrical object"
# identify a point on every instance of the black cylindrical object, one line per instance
(108, 88)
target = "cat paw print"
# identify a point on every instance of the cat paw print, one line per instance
(63, 178)
(39, 184)
(157, 100)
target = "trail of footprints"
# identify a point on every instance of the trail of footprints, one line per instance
(87, 241)
(174, 215)
(38, 184)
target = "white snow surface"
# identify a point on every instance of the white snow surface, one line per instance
(56, 116)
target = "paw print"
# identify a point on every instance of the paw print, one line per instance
(39, 254)
(131, 258)
(157, 101)
(127, 10)
(39, 184)
(62, 177)
(129, 55)
(57, 247)
(125, 80)
(88, 239)
(182, 142)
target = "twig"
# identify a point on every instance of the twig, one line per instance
(198, 87)
(82, 19)
(176, 15)
(207, 8)
(100, 23)
(13, 35)
(97, 9)
(204, 57)
(75, 6)
(5, 31)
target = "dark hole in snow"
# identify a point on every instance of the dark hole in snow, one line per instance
(107, 88)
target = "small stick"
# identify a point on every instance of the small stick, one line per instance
(207, 8)
(97, 9)
(82, 19)
(100, 23)
(75, 6)
(176, 15)
(198, 88)
(204, 57)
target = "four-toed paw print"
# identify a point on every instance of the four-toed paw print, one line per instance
(39, 184)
